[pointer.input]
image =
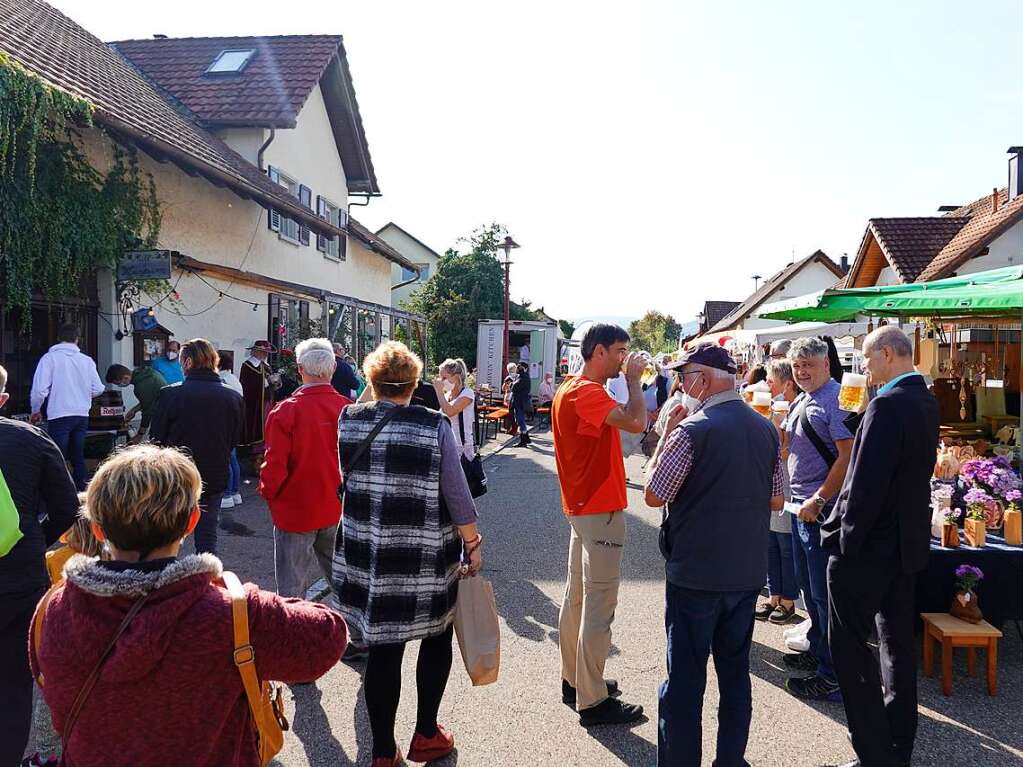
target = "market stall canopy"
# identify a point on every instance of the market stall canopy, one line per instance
(991, 294)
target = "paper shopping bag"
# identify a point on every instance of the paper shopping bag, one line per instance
(10, 521)
(479, 635)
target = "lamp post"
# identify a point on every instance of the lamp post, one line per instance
(507, 246)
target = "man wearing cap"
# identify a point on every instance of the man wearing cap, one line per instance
(718, 473)
(258, 385)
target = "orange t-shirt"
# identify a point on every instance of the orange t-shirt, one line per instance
(588, 452)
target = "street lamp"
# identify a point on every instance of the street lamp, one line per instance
(756, 281)
(507, 246)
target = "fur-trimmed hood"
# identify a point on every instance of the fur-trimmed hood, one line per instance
(93, 578)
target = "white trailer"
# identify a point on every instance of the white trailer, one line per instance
(532, 341)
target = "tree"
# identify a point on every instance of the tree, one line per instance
(655, 332)
(567, 328)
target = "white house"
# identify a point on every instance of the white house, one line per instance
(405, 281)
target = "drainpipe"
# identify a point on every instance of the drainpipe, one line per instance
(408, 282)
(259, 154)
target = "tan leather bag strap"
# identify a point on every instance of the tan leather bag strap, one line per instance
(244, 655)
(37, 626)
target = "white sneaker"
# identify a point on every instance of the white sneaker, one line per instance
(799, 630)
(237, 498)
(798, 645)
(227, 502)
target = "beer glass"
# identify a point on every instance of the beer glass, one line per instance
(762, 403)
(853, 392)
(649, 372)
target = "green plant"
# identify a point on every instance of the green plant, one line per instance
(61, 218)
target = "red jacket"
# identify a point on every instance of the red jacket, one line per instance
(170, 693)
(300, 473)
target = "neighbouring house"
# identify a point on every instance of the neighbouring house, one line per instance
(255, 146)
(815, 272)
(405, 281)
(713, 312)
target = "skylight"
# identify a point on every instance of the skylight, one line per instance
(230, 61)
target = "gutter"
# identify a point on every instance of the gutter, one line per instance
(407, 282)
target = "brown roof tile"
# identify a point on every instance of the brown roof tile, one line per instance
(911, 244)
(51, 45)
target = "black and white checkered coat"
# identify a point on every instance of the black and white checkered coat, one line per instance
(397, 552)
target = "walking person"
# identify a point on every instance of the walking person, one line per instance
(521, 393)
(67, 381)
(878, 538)
(819, 444)
(35, 474)
(167, 688)
(458, 402)
(233, 494)
(399, 548)
(587, 449)
(300, 475)
(204, 417)
(718, 470)
(168, 364)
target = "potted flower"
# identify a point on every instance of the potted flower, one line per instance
(1013, 519)
(996, 477)
(977, 503)
(950, 528)
(964, 604)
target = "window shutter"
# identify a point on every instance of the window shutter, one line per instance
(321, 241)
(271, 326)
(342, 240)
(273, 217)
(305, 199)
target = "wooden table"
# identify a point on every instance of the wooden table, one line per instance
(952, 632)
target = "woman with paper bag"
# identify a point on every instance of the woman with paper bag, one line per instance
(477, 629)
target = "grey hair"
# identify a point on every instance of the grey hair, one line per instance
(316, 356)
(780, 370)
(892, 336)
(511, 367)
(339, 349)
(454, 368)
(781, 347)
(804, 348)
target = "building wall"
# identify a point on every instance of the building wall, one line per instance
(1005, 250)
(811, 278)
(415, 253)
(888, 277)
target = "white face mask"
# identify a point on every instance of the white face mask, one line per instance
(172, 356)
(691, 403)
(448, 386)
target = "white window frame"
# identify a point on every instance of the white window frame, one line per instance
(333, 211)
(288, 225)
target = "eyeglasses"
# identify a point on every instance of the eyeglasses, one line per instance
(691, 373)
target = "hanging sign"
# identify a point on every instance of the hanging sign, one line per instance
(144, 265)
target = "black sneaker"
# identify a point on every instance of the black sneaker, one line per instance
(610, 711)
(814, 688)
(764, 611)
(800, 661)
(568, 691)
(782, 615)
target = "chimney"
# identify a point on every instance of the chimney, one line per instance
(843, 263)
(1015, 179)
(994, 200)
(158, 36)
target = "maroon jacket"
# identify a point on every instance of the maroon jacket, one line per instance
(300, 475)
(170, 692)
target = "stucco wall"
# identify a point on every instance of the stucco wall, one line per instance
(811, 278)
(1005, 250)
(888, 277)
(414, 252)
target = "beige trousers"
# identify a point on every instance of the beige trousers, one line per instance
(588, 609)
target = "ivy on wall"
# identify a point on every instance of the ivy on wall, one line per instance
(61, 218)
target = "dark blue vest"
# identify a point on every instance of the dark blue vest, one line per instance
(717, 525)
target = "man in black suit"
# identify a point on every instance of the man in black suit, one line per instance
(879, 538)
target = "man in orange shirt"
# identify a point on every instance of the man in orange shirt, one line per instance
(585, 421)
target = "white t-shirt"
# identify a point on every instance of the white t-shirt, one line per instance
(618, 388)
(523, 354)
(468, 419)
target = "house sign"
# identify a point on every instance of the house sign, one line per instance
(144, 265)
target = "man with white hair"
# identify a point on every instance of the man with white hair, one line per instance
(878, 537)
(300, 474)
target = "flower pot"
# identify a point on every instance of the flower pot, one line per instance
(1014, 527)
(965, 607)
(975, 530)
(994, 515)
(950, 535)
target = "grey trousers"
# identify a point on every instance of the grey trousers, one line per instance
(294, 557)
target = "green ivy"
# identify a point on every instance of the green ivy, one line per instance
(60, 218)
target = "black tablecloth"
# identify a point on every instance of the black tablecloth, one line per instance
(1000, 594)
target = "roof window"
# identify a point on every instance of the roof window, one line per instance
(230, 61)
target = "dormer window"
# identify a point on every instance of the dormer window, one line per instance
(230, 62)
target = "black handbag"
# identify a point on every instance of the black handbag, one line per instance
(473, 469)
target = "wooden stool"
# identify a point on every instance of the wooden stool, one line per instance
(952, 632)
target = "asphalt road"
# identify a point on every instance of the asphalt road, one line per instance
(520, 720)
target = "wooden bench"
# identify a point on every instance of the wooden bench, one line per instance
(543, 410)
(494, 417)
(952, 632)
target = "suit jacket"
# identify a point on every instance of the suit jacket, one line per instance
(883, 511)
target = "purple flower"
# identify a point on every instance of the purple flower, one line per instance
(976, 495)
(1013, 495)
(969, 570)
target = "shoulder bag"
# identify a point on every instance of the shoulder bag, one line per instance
(473, 469)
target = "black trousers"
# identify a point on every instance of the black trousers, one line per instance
(862, 596)
(382, 687)
(15, 678)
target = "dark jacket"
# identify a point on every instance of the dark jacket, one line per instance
(884, 508)
(204, 417)
(521, 391)
(37, 477)
(425, 395)
(344, 380)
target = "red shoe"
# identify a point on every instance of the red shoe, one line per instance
(425, 749)
(394, 761)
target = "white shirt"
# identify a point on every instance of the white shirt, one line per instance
(70, 380)
(618, 388)
(468, 420)
(231, 381)
(523, 354)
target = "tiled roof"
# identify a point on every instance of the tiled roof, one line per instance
(754, 301)
(269, 91)
(51, 45)
(911, 244)
(984, 225)
(715, 311)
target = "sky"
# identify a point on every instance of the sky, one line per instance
(652, 155)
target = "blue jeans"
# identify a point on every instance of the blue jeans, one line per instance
(520, 416)
(69, 434)
(234, 477)
(781, 567)
(700, 623)
(812, 575)
(206, 531)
